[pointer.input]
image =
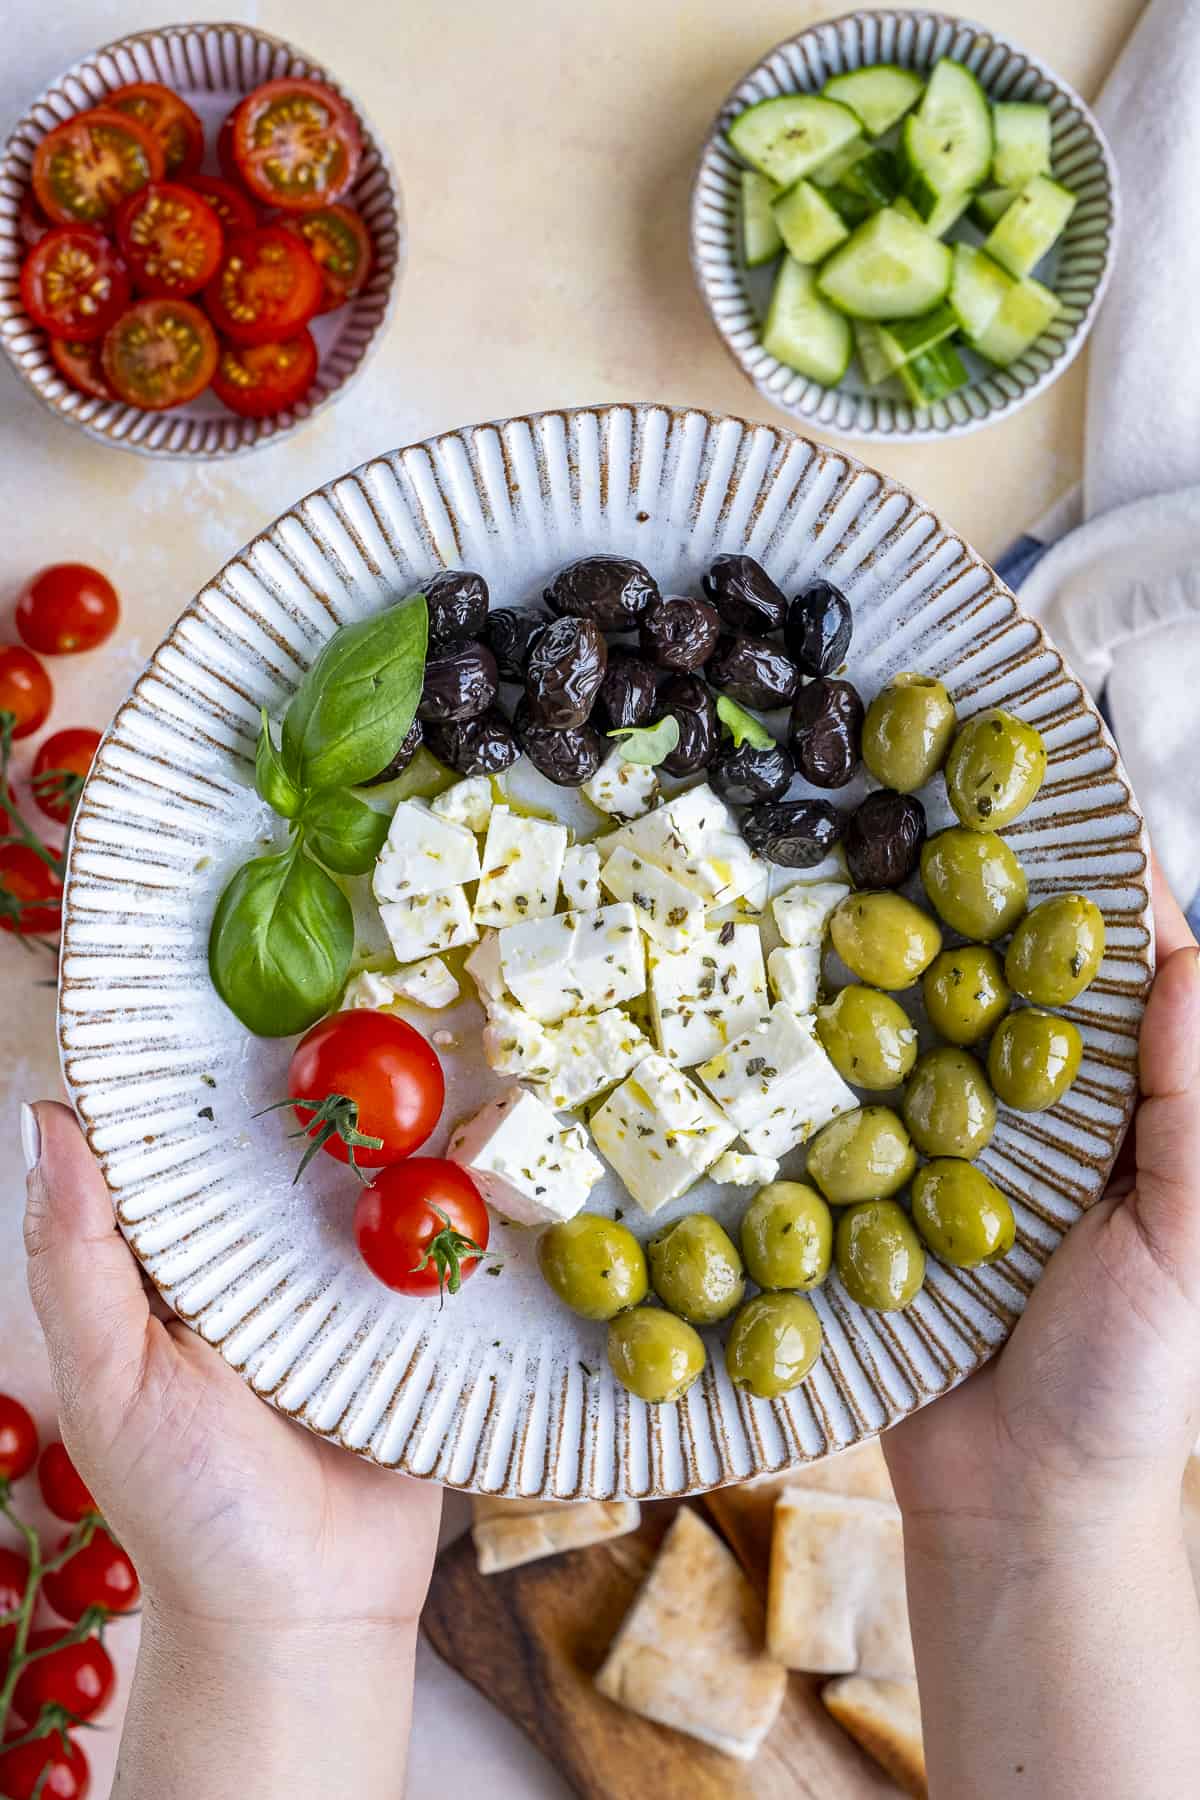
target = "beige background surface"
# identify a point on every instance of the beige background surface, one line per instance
(546, 152)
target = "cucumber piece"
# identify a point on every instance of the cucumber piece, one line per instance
(947, 143)
(761, 242)
(803, 330)
(878, 96)
(902, 340)
(1031, 224)
(809, 226)
(1022, 148)
(991, 204)
(978, 289)
(1023, 315)
(835, 168)
(946, 212)
(890, 268)
(876, 176)
(875, 366)
(851, 208)
(791, 135)
(933, 375)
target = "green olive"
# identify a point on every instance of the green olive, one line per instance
(965, 993)
(907, 732)
(884, 939)
(879, 1255)
(962, 1216)
(696, 1270)
(787, 1236)
(773, 1343)
(948, 1105)
(996, 765)
(654, 1354)
(1033, 1059)
(863, 1155)
(1056, 950)
(595, 1266)
(868, 1037)
(974, 882)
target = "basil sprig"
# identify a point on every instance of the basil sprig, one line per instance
(283, 933)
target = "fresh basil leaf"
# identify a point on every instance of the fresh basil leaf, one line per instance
(358, 700)
(280, 945)
(648, 744)
(343, 832)
(271, 778)
(745, 727)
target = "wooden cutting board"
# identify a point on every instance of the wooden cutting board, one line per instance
(531, 1640)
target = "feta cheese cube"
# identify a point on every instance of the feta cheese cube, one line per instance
(802, 913)
(623, 788)
(368, 989)
(526, 1163)
(795, 975)
(694, 838)
(777, 1084)
(514, 1043)
(575, 962)
(428, 983)
(589, 1053)
(667, 911)
(581, 877)
(522, 861)
(468, 802)
(736, 1169)
(427, 923)
(709, 993)
(660, 1133)
(483, 966)
(423, 854)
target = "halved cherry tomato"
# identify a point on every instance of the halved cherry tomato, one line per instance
(67, 607)
(84, 168)
(78, 1677)
(80, 364)
(14, 1577)
(341, 247)
(73, 284)
(159, 354)
(258, 380)
(170, 238)
(169, 118)
(32, 223)
(30, 894)
(51, 1767)
(421, 1226)
(60, 769)
(227, 201)
(98, 1575)
(18, 1441)
(266, 288)
(26, 693)
(64, 1490)
(365, 1075)
(296, 143)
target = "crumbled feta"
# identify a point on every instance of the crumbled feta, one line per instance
(802, 913)
(795, 975)
(369, 989)
(468, 802)
(623, 788)
(736, 1169)
(514, 1043)
(777, 1084)
(660, 1133)
(695, 839)
(589, 1053)
(667, 911)
(526, 1163)
(428, 923)
(574, 962)
(423, 855)
(522, 862)
(483, 966)
(581, 877)
(428, 983)
(707, 994)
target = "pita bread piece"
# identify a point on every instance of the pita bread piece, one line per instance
(885, 1718)
(689, 1653)
(508, 1533)
(836, 1601)
(745, 1513)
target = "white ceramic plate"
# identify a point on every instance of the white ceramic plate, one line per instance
(503, 1390)
(1077, 269)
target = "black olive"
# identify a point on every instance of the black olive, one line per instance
(564, 672)
(883, 839)
(460, 683)
(568, 757)
(817, 632)
(679, 633)
(413, 739)
(482, 746)
(627, 692)
(753, 672)
(509, 634)
(825, 735)
(613, 590)
(458, 605)
(686, 700)
(797, 834)
(744, 774)
(744, 594)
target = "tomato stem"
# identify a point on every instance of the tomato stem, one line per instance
(334, 1116)
(446, 1251)
(90, 1620)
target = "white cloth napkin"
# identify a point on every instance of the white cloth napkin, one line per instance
(1121, 594)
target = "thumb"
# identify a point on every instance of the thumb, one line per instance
(1167, 1196)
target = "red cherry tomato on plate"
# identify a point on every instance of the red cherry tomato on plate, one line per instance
(79, 1677)
(159, 354)
(14, 1574)
(64, 1490)
(227, 200)
(341, 246)
(67, 607)
(258, 380)
(84, 168)
(365, 1074)
(266, 288)
(170, 238)
(168, 117)
(421, 1226)
(296, 144)
(82, 366)
(32, 223)
(46, 1767)
(74, 284)
(60, 769)
(98, 1575)
(25, 690)
(18, 1440)
(30, 893)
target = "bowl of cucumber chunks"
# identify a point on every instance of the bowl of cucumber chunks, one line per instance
(902, 225)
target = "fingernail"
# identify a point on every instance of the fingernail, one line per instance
(31, 1137)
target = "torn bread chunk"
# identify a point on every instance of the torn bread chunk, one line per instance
(776, 1083)
(624, 789)
(588, 1054)
(574, 962)
(666, 911)
(522, 862)
(469, 802)
(707, 994)
(423, 855)
(581, 877)
(689, 1653)
(660, 1133)
(526, 1163)
(736, 1169)
(421, 927)
(836, 1600)
(884, 1719)
(802, 913)
(795, 976)
(508, 1533)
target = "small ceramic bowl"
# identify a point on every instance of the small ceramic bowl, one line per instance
(1078, 272)
(211, 66)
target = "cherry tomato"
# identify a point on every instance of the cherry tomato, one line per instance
(266, 288)
(79, 1677)
(341, 247)
(296, 144)
(14, 1575)
(262, 379)
(170, 238)
(84, 168)
(32, 223)
(18, 1439)
(46, 1767)
(63, 1488)
(60, 769)
(226, 160)
(30, 893)
(98, 1575)
(364, 1074)
(25, 690)
(228, 202)
(168, 118)
(421, 1226)
(81, 365)
(159, 354)
(73, 284)
(67, 607)
(5, 815)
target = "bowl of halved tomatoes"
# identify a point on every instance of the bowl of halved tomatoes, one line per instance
(201, 238)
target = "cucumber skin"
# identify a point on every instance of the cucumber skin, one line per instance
(788, 271)
(932, 375)
(923, 334)
(851, 80)
(793, 172)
